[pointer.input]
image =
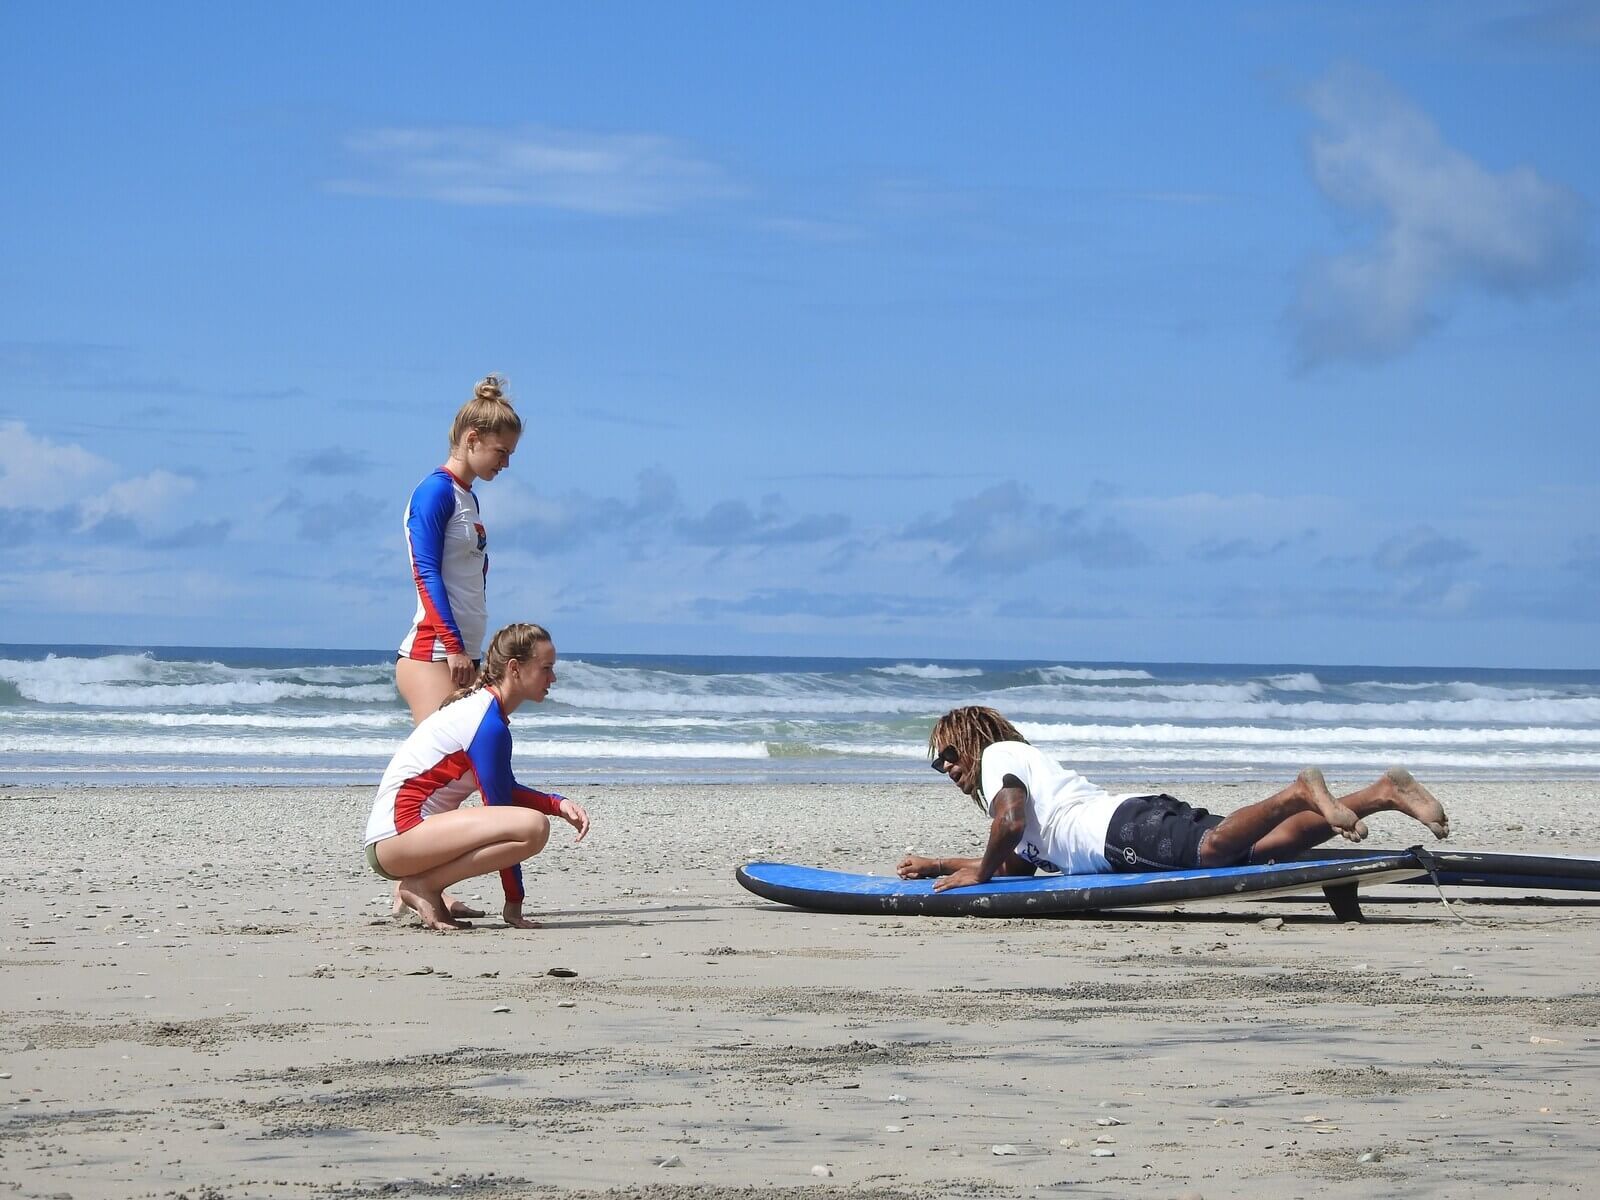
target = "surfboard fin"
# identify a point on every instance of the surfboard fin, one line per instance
(1344, 900)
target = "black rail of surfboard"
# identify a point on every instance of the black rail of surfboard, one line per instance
(1471, 868)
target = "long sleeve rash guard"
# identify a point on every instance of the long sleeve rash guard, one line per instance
(463, 748)
(450, 568)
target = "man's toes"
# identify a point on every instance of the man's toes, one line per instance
(1354, 833)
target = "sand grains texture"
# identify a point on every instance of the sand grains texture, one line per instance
(204, 997)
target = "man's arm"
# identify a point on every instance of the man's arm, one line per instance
(1005, 832)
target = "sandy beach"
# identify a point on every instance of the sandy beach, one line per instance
(205, 997)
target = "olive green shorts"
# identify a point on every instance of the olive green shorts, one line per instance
(372, 861)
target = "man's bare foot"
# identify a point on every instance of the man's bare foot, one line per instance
(1411, 798)
(1341, 819)
(429, 907)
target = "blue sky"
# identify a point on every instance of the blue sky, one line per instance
(1227, 332)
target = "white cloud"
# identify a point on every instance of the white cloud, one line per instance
(1444, 222)
(610, 174)
(141, 498)
(37, 473)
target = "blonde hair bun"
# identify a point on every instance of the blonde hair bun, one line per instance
(491, 388)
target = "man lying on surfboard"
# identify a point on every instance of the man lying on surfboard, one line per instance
(1045, 816)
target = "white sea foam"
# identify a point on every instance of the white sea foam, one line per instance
(1299, 681)
(196, 695)
(913, 671)
(1057, 674)
(136, 713)
(1290, 759)
(333, 722)
(381, 749)
(544, 720)
(1463, 690)
(1248, 690)
(398, 719)
(1317, 735)
(1575, 711)
(744, 705)
(142, 681)
(109, 668)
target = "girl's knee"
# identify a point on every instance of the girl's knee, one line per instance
(533, 829)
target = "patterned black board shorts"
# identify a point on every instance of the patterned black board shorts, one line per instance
(1157, 833)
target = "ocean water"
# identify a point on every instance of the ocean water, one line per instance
(188, 716)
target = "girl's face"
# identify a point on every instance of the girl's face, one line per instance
(487, 454)
(530, 678)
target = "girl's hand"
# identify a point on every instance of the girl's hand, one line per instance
(914, 866)
(572, 813)
(461, 672)
(514, 918)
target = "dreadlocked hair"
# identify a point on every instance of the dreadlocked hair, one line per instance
(514, 643)
(971, 731)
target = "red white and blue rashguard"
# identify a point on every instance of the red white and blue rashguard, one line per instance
(450, 566)
(463, 748)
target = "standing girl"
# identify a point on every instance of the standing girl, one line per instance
(449, 553)
(450, 563)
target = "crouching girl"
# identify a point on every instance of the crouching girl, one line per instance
(418, 833)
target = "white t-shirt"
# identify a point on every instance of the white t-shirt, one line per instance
(1066, 815)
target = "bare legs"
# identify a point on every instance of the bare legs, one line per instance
(424, 686)
(1305, 814)
(451, 846)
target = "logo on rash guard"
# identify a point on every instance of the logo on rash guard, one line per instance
(1033, 854)
(483, 538)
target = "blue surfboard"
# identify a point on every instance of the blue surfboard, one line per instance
(1053, 895)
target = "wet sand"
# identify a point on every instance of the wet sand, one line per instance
(204, 997)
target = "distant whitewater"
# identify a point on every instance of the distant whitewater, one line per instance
(183, 717)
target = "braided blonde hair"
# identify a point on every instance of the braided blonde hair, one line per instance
(516, 643)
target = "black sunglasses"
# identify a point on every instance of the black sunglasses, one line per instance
(948, 757)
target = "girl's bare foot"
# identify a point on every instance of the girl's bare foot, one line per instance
(1341, 819)
(1411, 798)
(456, 908)
(430, 907)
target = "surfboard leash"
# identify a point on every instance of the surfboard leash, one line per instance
(1430, 864)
